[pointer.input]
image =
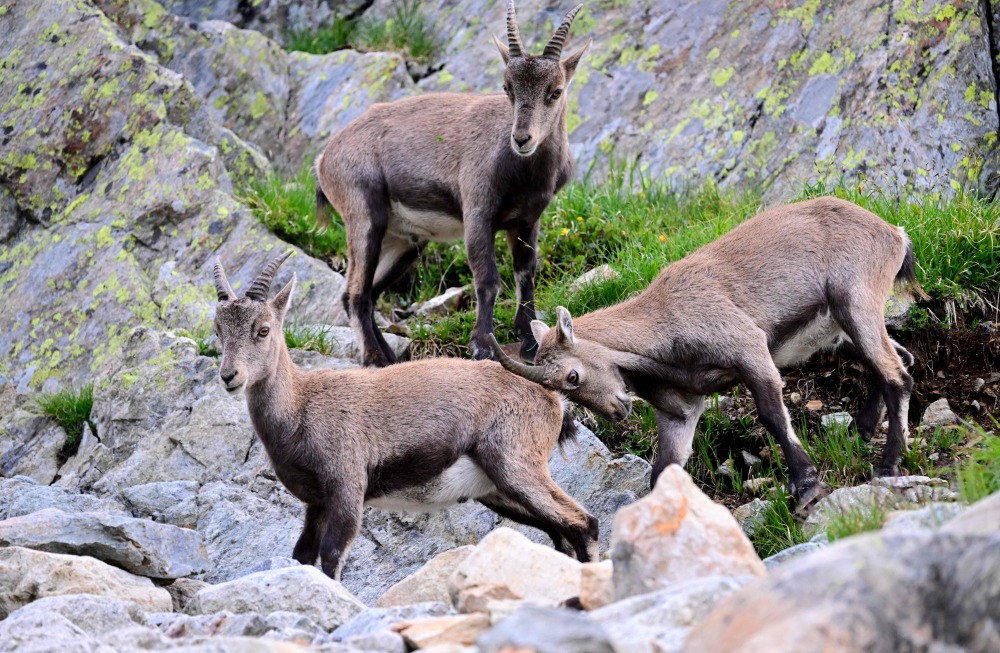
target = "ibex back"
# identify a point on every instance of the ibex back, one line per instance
(446, 166)
(776, 289)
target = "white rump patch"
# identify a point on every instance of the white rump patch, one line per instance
(425, 225)
(463, 480)
(822, 332)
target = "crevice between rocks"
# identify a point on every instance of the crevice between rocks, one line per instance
(991, 43)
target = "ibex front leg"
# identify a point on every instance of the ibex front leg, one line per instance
(524, 250)
(343, 521)
(479, 245)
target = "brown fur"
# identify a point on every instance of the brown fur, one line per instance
(448, 166)
(733, 312)
(339, 439)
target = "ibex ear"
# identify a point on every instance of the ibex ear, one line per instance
(282, 300)
(570, 63)
(504, 50)
(565, 325)
(538, 329)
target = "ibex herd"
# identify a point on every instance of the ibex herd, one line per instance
(420, 436)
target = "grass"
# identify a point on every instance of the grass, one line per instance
(857, 519)
(779, 529)
(406, 31)
(314, 337)
(70, 409)
(979, 475)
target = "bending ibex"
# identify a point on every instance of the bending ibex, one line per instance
(776, 289)
(446, 166)
(419, 436)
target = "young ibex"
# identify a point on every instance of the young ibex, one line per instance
(418, 436)
(767, 295)
(447, 166)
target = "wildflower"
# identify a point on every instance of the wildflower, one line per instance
(642, 195)
(579, 218)
(564, 231)
(662, 238)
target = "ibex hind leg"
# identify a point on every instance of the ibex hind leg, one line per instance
(504, 507)
(366, 220)
(862, 320)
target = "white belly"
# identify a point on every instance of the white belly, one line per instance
(822, 332)
(463, 480)
(424, 225)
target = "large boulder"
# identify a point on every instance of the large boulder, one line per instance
(760, 94)
(27, 575)
(140, 546)
(677, 533)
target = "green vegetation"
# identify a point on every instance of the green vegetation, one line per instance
(858, 519)
(979, 475)
(70, 410)
(779, 529)
(315, 337)
(406, 31)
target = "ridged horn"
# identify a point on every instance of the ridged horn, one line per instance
(513, 33)
(261, 286)
(222, 287)
(554, 48)
(531, 372)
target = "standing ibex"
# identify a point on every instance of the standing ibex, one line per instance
(783, 285)
(446, 166)
(419, 436)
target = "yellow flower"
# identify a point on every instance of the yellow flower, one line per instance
(579, 218)
(642, 194)
(663, 238)
(564, 231)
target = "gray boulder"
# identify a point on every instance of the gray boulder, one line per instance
(22, 496)
(170, 502)
(140, 546)
(94, 615)
(546, 630)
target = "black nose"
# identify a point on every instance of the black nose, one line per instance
(521, 141)
(227, 376)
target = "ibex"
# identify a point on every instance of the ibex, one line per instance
(786, 283)
(418, 436)
(447, 166)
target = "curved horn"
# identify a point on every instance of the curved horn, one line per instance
(262, 284)
(554, 48)
(222, 287)
(530, 372)
(513, 33)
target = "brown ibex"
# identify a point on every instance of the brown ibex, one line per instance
(418, 436)
(786, 283)
(446, 166)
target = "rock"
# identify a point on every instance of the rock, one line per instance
(429, 583)
(756, 485)
(27, 575)
(375, 620)
(658, 622)
(22, 496)
(795, 398)
(931, 516)
(170, 502)
(981, 518)
(183, 590)
(344, 343)
(676, 533)
(701, 92)
(792, 553)
(42, 632)
(301, 589)
(751, 461)
(600, 273)
(814, 405)
(487, 599)
(32, 447)
(546, 630)
(455, 629)
(726, 468)
(532, 571)
(94, 615)
(877, 591)
(140, 546)
(220, 624)
(597, 587)
(939, 413)
(845, 500)
(750, 516)
(449, 301)
(917, 489)
(840, 420)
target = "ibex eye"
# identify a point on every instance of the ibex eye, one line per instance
(573, 377)
(555, 94)
(264, 331)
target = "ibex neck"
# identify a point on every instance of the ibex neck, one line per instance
(274, 402)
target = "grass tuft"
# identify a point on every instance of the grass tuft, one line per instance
(979, 475)
(857, 519)
(70, 410)
(329, 38)
(407, 31)
(779, 529)
(313, 337)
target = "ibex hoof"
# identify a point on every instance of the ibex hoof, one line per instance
(806, 502)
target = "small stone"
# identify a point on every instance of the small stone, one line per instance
(725, 469)
(600, 273)
(795, 398)
(940, 374)
(792, 553)
(478, 599)
(750, 516)
(755, 485)
(978, 384)
(750, 460)
(814, 405)
(461, 629)
(449, 301)
(841, 420)
(939, 413)
(597, 587)
(183, 590)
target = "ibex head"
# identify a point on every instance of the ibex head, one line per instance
(585, 372)
(250, 327)
(536, 85)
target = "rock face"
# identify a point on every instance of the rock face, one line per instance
(429, 583)
(676, 533)
(885, 591)
(546, 629)
(766, 94)
(27, 575)
(140, 546)
(301, 589)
